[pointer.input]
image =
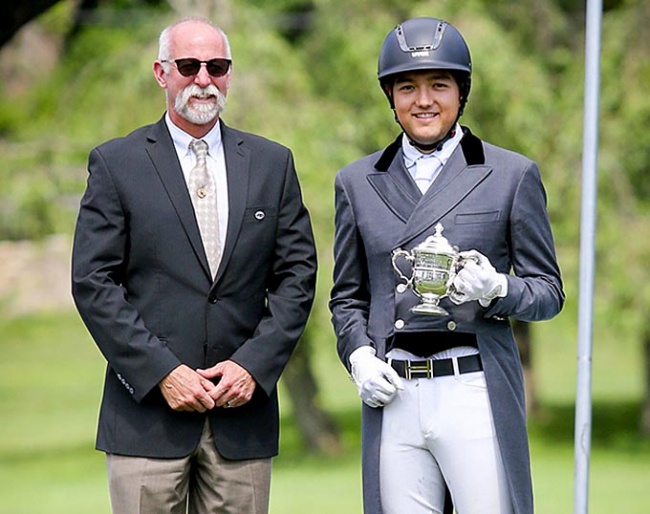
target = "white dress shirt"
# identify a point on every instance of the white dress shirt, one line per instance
(425, 168)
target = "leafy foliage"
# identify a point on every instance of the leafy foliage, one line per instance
(305, 74)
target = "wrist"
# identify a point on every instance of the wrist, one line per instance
(499, 290)
(363, 352)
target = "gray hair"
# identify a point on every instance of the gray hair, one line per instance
(164, 42)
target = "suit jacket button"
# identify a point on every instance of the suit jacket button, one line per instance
(399, 324)
(451, 325)
(212, 298)
(401, 288)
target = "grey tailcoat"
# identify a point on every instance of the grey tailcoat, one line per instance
(487, 198)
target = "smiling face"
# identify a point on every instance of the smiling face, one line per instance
(195, 102)
(426, 104)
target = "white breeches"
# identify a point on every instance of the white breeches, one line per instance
(440, 431)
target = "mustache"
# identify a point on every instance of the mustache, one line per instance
(200, 92)
(200, 113)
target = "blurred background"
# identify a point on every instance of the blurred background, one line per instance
(75, 73)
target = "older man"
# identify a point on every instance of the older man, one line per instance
(194, 270)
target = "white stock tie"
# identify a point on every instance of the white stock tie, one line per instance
(426, 171)
(203, 191)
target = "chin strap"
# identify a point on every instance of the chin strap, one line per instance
(437, 146)
(426, 148)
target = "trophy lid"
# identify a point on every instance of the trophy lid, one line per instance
(437, 243)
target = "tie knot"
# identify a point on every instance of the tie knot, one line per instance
(199, 147)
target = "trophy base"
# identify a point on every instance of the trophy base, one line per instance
(429, 309)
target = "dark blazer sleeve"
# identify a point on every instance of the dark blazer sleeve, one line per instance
(139, 358)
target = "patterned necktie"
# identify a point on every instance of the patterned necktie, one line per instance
(204, 198)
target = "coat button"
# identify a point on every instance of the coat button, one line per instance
(451, 325)
(399, 324)
(212, 298)
(401, 288)
(260, 215)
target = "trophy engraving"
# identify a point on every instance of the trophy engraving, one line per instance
(434, 263)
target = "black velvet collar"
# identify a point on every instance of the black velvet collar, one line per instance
(471, 145)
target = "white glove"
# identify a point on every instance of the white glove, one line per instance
(377, 382)
(478, 280)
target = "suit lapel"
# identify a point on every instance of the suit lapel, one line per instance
(163, 155)
(238, 170)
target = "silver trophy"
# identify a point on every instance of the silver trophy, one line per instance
(435, 264)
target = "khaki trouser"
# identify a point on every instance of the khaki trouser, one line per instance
(202, 483)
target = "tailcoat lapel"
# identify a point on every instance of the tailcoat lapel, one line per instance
(464, 171)
(163, 155)
(392, 183)
(396, 189)
(455, 182)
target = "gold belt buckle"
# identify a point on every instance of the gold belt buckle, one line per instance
(418, 368)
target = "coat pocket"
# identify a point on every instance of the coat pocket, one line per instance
(470, 218)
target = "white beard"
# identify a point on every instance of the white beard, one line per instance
(200, 113)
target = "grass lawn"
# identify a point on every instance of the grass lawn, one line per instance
(50, 386)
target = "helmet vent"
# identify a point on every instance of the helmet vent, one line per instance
(437, 39)
(440, 30)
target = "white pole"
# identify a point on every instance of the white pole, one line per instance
(587, 250)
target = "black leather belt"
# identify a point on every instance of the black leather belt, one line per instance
(430, 368)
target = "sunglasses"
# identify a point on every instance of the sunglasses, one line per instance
(189, 66)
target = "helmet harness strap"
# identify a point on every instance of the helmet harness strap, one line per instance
(426, 148)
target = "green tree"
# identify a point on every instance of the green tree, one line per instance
(305, 74)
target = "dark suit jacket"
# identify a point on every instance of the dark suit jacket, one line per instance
(142, 286)
(488, 199)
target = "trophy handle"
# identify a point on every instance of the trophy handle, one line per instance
(407, 255)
